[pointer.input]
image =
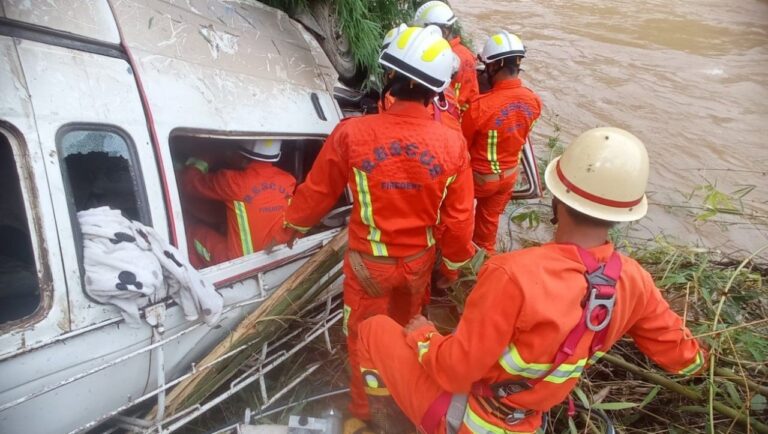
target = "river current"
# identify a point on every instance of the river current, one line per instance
(689, 78)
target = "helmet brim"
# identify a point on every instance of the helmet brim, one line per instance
(588, 207)
(389, 61)
(260, 157)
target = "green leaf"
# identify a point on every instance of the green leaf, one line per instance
(572, 426)
(650, 396)
(614, 405)
(758, 403)
(582, 397)
(733, 395)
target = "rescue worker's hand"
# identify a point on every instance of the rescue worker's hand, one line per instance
(292, 239)
(446, 278)
(416, 323)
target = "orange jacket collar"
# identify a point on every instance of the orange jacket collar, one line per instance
(408, 108)
(601, 252)
(510, 83)
(455, 41)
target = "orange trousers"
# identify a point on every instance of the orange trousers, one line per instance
(402, 285)
(391, 367)
(492, 198)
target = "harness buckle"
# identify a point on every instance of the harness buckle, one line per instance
(515, 417)
(503, 389)
(594, 302)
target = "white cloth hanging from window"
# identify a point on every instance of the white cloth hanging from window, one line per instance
(127, 264)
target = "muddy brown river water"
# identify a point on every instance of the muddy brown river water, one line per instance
(690, 78)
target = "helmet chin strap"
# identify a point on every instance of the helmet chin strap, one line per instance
(389, 81)
(554, 220)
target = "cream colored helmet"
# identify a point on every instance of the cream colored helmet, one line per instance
(603, 174)
(391, 35)
(501, 45)
(434, 12)
(421, 54)
(262, 149)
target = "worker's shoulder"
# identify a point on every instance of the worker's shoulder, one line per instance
(523, 260)
(462, 50)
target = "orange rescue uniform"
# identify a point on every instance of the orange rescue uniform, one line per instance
(465, 84)
(255, 199)
(496, 126)
(511, 330)
(407, 172)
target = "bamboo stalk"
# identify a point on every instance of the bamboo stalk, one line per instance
(261, 325)
(686, 391)
(733, 377)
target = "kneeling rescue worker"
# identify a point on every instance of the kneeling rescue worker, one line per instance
(496, 127)
(539, 316)
(407, 172)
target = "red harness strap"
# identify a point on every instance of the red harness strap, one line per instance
(598, 309)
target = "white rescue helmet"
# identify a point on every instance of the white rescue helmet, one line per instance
(262, 150)
(422, 55)
(391, 35)
(603, 174)
(502, 44)
(434, 12)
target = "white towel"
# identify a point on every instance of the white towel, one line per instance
(127, 264)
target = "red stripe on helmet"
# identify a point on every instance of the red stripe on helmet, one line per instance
(591, 197)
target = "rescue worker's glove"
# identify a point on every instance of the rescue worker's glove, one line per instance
(291, 233)
(416, 323)
(445, 278)
(197, 163)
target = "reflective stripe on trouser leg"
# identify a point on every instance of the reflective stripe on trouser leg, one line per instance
(366, 213)
(243, 227)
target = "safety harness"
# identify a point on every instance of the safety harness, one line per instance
(597, 311)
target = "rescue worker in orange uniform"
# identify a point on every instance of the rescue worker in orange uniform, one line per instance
(255, 193)
(444, 107)
(496, 127)
(464, 83)
(539, 316)
(407, 173)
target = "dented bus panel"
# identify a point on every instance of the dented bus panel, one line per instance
(131, 84)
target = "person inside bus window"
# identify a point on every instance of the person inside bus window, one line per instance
(254, 193)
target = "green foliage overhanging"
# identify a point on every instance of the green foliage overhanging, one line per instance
(364, 23)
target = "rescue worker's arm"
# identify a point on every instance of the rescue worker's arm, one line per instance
(469, 125)
(470, 88)
(457, 216)
(324, 184)
(660, 334)
(486, 327)
(222, 185)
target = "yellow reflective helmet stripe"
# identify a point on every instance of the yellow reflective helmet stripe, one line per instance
(695, 366)
(492, 151)
(498, 40)
(405, 37)
(435, 49)
(366, 213)
(243, 227)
